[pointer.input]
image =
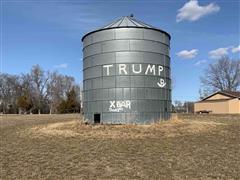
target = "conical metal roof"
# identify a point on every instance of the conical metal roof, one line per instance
(126, 22)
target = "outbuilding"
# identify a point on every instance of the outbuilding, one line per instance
(222, 102)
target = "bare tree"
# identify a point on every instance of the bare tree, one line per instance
(224, 75)
(35, 92)
(39, 81)
(57, 88)
(9, 85)
(203, 92)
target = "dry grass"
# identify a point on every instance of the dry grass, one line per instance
(62, 147)
(75, 128)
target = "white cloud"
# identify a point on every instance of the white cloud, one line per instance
(201, 62)
(185, 54)
(236, 49)
(63, 65)
(191, 11)
(218, 53)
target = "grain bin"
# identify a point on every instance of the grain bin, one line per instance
(126, 73)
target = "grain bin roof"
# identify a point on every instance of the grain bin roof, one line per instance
(127, 22)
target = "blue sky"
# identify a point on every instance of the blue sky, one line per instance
(49, 33)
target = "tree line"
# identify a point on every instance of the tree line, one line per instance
(39, 92)
(50, 92)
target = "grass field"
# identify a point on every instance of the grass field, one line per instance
(61, 147)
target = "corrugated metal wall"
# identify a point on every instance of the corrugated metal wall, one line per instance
(122, 69)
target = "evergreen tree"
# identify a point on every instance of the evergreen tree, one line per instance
(24, 102)
(70, 105)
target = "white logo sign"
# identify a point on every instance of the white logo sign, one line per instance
(151, 69)
(161, 83)
(117, 106)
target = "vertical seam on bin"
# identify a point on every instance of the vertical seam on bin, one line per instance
(133, 21)
(120, 22)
